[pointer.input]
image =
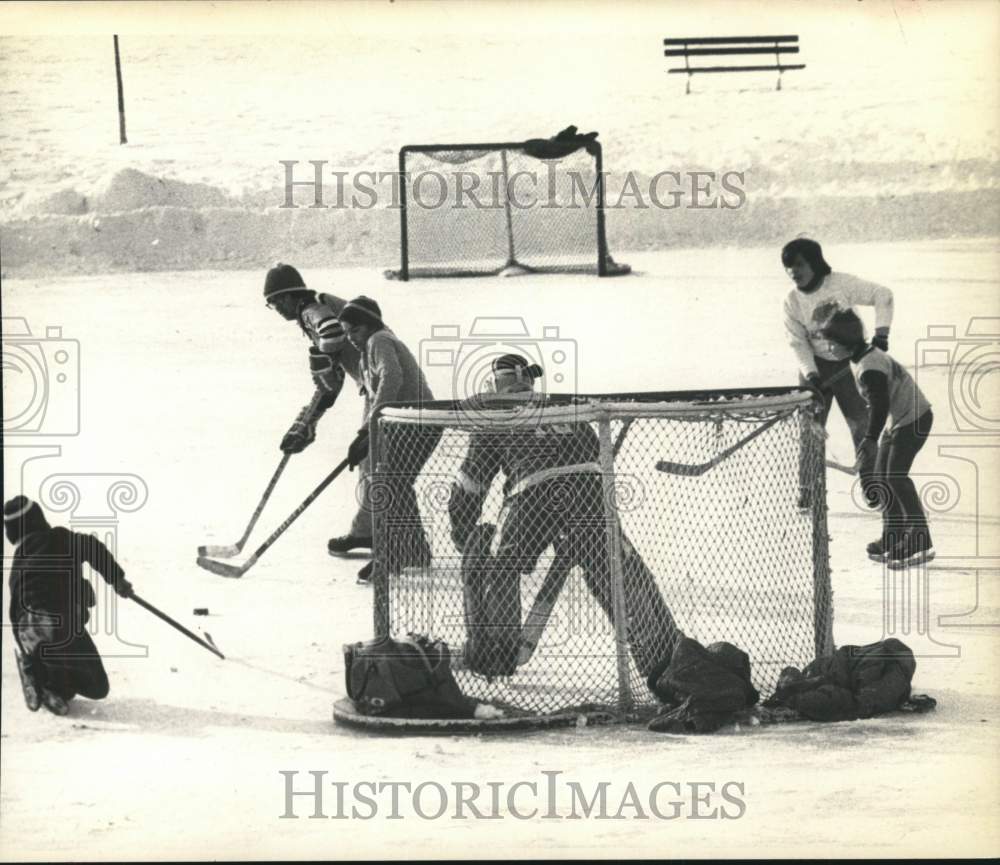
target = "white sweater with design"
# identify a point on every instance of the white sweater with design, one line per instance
(806, 314)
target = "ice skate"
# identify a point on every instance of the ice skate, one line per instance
(342, 545)
(32, 699)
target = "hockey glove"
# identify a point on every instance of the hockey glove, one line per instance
(123, 588)
(300, 435)
(881, 338)
(357, 453)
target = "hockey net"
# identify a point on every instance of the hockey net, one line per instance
(692, 523)
(493, 209)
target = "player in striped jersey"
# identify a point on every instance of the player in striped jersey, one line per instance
(331, 357)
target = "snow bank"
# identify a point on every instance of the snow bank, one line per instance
(135, 221)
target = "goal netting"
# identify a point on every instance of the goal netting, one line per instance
(495, 209)
(625, 520)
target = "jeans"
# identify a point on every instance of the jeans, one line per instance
(903, 514)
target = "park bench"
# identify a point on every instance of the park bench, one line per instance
(718, 46)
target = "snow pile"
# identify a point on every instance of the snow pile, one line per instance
(893, 139)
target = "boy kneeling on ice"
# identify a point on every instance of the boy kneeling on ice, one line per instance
(884, 468)
(50, 604)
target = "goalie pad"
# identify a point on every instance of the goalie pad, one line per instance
(492, 601)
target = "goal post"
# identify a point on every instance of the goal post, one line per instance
(495, 209)
(714, 546)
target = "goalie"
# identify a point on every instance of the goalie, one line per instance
(553, 496)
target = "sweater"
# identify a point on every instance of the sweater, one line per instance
(807, 313)
(391, 373)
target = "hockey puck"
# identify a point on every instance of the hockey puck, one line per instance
(201, 611)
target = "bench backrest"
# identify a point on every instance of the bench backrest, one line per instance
(717, 46)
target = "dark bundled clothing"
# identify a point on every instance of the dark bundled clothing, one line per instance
(47, 573)
(50, 604)
(854, 682)
(703, 688)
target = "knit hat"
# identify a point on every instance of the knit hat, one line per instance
(362, 310)
(22, 516)
(845, 328)
(518, 365)
(281, 279)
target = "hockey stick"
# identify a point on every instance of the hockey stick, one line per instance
(555, 579)
(206, 644)
(840, 467)
(688, 470)
(224, 569)
(230, 550)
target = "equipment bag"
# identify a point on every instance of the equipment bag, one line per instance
(404, 678)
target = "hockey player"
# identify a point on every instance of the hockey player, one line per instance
(553, 496)
(49, 607)
(892, 394)
(823, 365)
(331, 356)
(390, 373)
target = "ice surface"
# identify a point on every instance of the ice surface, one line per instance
(189, 382)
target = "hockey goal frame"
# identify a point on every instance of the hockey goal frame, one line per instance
(759, 405)
(604, 265)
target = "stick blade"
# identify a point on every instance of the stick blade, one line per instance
(221, 568)
(224, 552)
(211, 643)
(681, 468)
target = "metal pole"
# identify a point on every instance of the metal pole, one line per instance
(617, 572)
(121, 96)
(506, 209)
(404, 270)
(602, 240)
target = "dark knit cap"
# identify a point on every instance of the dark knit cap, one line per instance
(810, 250)
(845, 328)
(22, 516)
(282, 278)
(516, 363)
(362, 310)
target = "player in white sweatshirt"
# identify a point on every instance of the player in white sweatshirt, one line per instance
(824, 365)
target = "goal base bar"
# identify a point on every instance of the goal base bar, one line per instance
(345, 713)
(611, 268)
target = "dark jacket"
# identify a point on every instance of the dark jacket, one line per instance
(853, 682)
(46, 574)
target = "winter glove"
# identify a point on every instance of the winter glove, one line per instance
(123, 588)
(358, 451)
(815, 384)
(881, 338)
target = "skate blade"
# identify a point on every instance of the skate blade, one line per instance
(913, 561)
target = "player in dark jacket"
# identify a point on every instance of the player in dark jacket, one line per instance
(49, 607)
(553, 496)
